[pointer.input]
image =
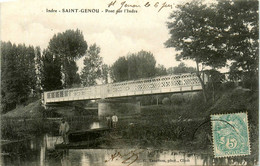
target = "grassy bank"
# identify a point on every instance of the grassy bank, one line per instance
(184, 124)
(187, 125)
(24, 128)
(28, 121)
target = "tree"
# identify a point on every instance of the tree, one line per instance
(160, 70)
(27, 68)
(134, 66)
(22, 56)
(119, 70)
(104, 73)
(240, 28)
(141, 65)
(50, 72)
(18, 74)
(9, 77)
(38, 66)
(68, 47)
(215, 80)
(194, 34)
(213, 34)
(181, 68)
(92, 66)
(71, 77)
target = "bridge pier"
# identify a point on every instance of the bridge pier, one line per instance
(107, 107)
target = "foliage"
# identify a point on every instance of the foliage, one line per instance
(215, 76)
(151, 99)
(104, 73)
(181, 68)
(177, 99)
(18, 74)
(71, 77)
(215, 79)
(134, 66)
(50, 72)
(38, 69)
(92, 66)
(166, 101)
(160, 110)
(119, 70)
(68, 47)
(239, 26)
(193, 34)
(9, 84)
(160, 70)
(213, 34)
(190, 122)
(238, 100)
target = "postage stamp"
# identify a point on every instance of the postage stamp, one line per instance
(230, 134)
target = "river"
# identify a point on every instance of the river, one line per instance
(40, 151)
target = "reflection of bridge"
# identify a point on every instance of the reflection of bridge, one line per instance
(155, 85)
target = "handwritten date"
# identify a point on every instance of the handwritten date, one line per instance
(157, 5)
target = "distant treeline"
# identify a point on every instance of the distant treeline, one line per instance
(18, 73)
(26, 71)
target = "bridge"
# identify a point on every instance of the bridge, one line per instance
(156, 85)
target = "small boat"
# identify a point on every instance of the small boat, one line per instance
(80, 145)
(85, 138)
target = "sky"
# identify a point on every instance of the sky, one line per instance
(26, 21)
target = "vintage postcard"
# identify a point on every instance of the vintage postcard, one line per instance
(129, 82)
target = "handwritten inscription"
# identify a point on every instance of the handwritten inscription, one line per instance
(126, 5)
(132, 156)
(127, 158)
(165, 5)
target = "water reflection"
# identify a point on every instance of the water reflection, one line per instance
(65, 160)
(41, 151)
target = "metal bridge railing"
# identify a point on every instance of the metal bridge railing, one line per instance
(163, 84)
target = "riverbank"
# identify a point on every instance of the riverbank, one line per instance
(169, 125)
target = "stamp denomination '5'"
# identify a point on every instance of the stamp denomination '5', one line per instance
(230, 134)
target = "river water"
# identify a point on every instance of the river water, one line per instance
(40, 151)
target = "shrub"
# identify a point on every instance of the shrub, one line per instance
(166, 101)
(51, 112)
(160, 110)
(177, 99)
(227, 86)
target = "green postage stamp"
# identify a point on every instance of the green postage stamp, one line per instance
(230, 134)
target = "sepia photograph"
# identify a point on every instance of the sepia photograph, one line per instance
(129, 82)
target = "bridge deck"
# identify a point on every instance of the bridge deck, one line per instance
(156, 85)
